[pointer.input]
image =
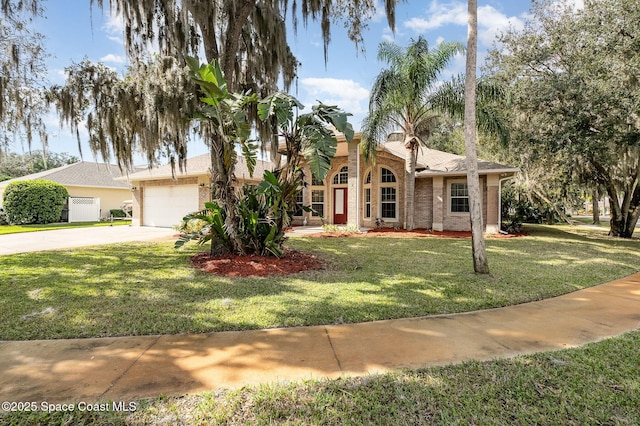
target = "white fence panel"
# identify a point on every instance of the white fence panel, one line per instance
(82, 209)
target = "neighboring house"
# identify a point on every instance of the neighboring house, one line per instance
(86, 179)
(162, 197)
(354, 192)
(363, 194)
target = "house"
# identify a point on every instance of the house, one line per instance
(86, 180)
(354, 192)
(366, 195)
(162, 196)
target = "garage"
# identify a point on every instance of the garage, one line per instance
(165, 206)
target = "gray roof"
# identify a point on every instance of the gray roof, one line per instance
(198, 166)
(82, 173)
(443, 163)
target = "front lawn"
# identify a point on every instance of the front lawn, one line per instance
(15, 229)
(149, 288)
(594, 385)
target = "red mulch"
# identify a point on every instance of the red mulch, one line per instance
(403, 233)
(256, 266)
(294, 261)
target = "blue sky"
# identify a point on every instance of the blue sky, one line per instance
(73, 32)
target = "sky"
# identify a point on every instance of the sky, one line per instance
(73, 32)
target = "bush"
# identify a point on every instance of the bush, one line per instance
(3, 218)
(117, 213)
(262, 216)
(34, 201)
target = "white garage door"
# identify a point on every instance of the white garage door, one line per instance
(165, 206)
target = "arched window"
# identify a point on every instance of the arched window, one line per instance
(342, 176)
(388, 195)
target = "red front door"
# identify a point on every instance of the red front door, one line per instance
(340, 206)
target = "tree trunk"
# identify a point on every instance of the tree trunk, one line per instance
(234, 31)
(410, 165)
(595, 202)
(224, 193)
(480, 262)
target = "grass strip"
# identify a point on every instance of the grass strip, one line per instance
(595, 384)
(16, 229)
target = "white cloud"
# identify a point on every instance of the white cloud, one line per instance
(113, 27)
(114, 24)
(113, 59)
(346, 94)
(380, 13)
(439, 15)
(490, 20)
(116, 39)
(387, 35)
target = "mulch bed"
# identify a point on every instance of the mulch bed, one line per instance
(255, 266)
(293, 261)
(403, 233)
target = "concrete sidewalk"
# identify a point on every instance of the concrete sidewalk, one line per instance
(27, 242)
(130, 368)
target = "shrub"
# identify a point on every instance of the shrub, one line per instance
(3, 218)
(262, 216)
(35, 201)
(117, 213)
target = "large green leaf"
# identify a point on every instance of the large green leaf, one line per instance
(319, 148)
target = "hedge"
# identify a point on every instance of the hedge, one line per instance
(34, 201)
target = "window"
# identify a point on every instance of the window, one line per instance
(299, 203)
(388, 202)
(367, 195)
(459, 198)
(388, 176)
(315, 181)
(367, 203)
(342, 176)
(317, 202)
(388, 195)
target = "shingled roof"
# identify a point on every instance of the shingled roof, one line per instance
(197, 166)
(82, 173)
(436, 162)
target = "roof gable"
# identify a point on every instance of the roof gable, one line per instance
(199, 166)
(442, 163)
(82, 173)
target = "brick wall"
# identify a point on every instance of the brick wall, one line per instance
(423, 201)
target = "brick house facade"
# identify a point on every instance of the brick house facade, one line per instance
(369, 194)
(354, 192)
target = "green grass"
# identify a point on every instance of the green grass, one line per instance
(15, 229)
(595, 384)
(149, 288)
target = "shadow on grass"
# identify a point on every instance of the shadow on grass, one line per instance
(145, 289)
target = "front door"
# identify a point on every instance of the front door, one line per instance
(340, 206)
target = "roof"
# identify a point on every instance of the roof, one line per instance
(198, 166)
(82, 173)
(443, 163)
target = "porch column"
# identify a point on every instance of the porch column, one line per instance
(352, 192)
(136, 196)
(493, 204)
(438, 203)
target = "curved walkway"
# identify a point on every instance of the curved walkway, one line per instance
(130, 368)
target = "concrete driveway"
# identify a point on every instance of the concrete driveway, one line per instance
(79, 237)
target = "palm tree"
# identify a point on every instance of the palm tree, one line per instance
(402, 97)
(480, 262)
